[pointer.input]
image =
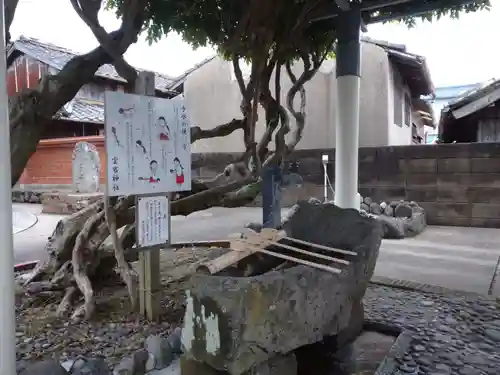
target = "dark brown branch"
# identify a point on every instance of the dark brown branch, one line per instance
(222, 130)
(88, 11)
(10, 7)
(30, 112)
(298, 86)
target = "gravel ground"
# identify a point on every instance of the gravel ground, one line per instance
(450, 334)
(114, 331)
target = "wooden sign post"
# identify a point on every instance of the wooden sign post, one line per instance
(148, 147)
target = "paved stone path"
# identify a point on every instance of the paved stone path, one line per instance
(441, 334)
(453, 334)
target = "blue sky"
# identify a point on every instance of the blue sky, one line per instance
(457, 51)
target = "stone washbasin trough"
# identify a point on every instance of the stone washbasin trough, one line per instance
(265, 313)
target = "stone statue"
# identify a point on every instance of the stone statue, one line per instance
(86, 168)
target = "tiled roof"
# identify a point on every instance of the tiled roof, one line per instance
(182, 78)
(82, 110)
(57, 57)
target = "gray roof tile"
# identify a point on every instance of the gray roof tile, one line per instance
(57, 57)
(81, 110)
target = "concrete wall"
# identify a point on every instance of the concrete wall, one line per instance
(458, 184)
(213, 98)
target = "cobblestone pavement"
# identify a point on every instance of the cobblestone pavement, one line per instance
(443, 334)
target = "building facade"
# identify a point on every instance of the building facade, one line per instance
(444, 95)
(391, 111)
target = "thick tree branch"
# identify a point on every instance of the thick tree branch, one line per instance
(10, 7)
(88, 11)
(31, 111)
(298, 86)
(222, 130)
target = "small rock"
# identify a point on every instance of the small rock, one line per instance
(257, 227)
(175, 341)
(367, 200)
(394, 204)
(388, 210)
(403, 210)
(49, 367)
(364, 207)
(393, 228)
(375, 208)
(313, 200)
(134, 365)
(492, 334)
(90, 366)
(161, 350)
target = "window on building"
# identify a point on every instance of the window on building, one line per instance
(407, 109)
(398, 99)
(415, 136)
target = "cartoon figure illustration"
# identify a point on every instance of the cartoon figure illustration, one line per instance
(141, 146)
(115, 136)
(164, 129)
(179, 171)
(153, 178)
(126, 111)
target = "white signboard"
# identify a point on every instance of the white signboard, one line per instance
(148, 145)
(153, 223)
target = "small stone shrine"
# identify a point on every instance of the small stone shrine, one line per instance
(86, 168)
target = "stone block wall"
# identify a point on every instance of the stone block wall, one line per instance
(457, 184)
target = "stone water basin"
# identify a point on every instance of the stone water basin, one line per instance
(235, 323)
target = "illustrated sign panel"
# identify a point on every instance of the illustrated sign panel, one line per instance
(153, 224)
(148, 145)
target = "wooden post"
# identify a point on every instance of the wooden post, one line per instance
(149, 261)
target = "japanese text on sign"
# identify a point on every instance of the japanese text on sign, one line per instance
(153, 223)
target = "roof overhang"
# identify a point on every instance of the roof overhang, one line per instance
(423, 110)
(468, 104)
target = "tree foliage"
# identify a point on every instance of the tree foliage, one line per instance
(448, 8)
(272, 34)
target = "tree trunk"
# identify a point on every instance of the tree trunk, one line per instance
(81, 254)
(31, 111)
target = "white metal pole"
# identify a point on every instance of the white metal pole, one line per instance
(347, 138)
(325, 178)
(7, 309)
(348, 69)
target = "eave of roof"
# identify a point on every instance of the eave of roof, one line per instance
(447, 118)
(413, 67)
(56, 57)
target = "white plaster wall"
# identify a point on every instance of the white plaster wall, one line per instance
(398, 135)
(417, 120)
(213, 98)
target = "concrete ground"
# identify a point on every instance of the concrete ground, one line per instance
(29, 243)
(453, 257)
